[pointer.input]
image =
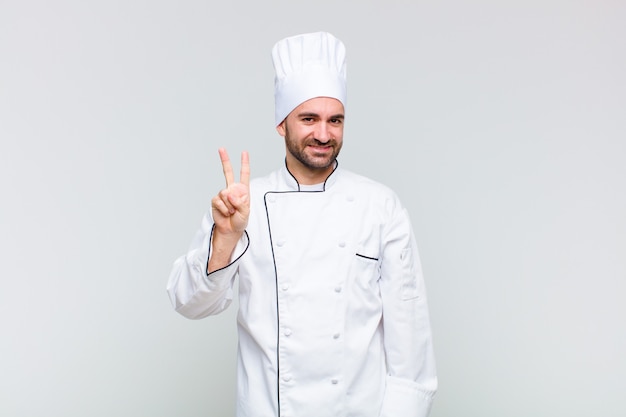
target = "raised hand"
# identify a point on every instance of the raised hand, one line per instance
(230, 209)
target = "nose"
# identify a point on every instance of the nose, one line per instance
(322, 132)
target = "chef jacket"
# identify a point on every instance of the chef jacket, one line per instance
(333, 317)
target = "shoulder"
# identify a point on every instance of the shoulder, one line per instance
(265, 183)
(373, 193)
(360, 183)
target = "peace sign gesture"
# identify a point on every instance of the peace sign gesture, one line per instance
(231, 207)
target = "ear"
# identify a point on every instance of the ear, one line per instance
(281, 128)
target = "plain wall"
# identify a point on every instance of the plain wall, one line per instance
(500, 124)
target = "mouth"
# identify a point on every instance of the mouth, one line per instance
(321, 148)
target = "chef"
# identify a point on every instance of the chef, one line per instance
(333, 316)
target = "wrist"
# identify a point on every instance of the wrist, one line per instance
(222, 247)
(225, 237)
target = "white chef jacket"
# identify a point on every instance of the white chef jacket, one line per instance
(333, 318)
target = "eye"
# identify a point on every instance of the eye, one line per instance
(336, 121)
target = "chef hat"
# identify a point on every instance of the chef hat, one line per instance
(308, 66)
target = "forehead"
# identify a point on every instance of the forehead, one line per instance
(321, 106)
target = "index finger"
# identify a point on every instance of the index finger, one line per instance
(226, 167)
(245, 168)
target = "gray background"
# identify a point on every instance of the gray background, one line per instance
(500, 124)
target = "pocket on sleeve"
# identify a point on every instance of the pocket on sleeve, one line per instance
(409, 275)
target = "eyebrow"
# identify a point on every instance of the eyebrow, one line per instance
(315, 115)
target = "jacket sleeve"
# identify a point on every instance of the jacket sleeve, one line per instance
(411, 380)
(194, 293)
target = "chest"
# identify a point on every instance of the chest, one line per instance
(315, 239)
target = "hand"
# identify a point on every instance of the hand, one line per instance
(231, 207)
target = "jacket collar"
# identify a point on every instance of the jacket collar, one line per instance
(291, 184)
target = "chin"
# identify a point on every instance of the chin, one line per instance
(322, 164)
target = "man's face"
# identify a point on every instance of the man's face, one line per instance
(313, 134)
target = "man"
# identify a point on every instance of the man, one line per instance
(333, 319)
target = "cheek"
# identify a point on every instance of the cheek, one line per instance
(304, 133)
(338, 132)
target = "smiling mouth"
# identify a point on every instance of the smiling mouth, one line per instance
(321, 148)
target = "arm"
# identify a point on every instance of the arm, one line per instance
(200, 283)
(411, 375)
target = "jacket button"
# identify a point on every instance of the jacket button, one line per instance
(287, 332)
(337, 289)
(334, 381)
(342, 244)
(285, 287)
(336, 336)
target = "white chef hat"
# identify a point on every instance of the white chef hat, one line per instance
(308, 66)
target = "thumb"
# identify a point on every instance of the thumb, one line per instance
(240, 203)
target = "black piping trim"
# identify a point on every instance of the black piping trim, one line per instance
(292, 176)
(269, 228)
(209, 256)
(366, 257)
(299, 190)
